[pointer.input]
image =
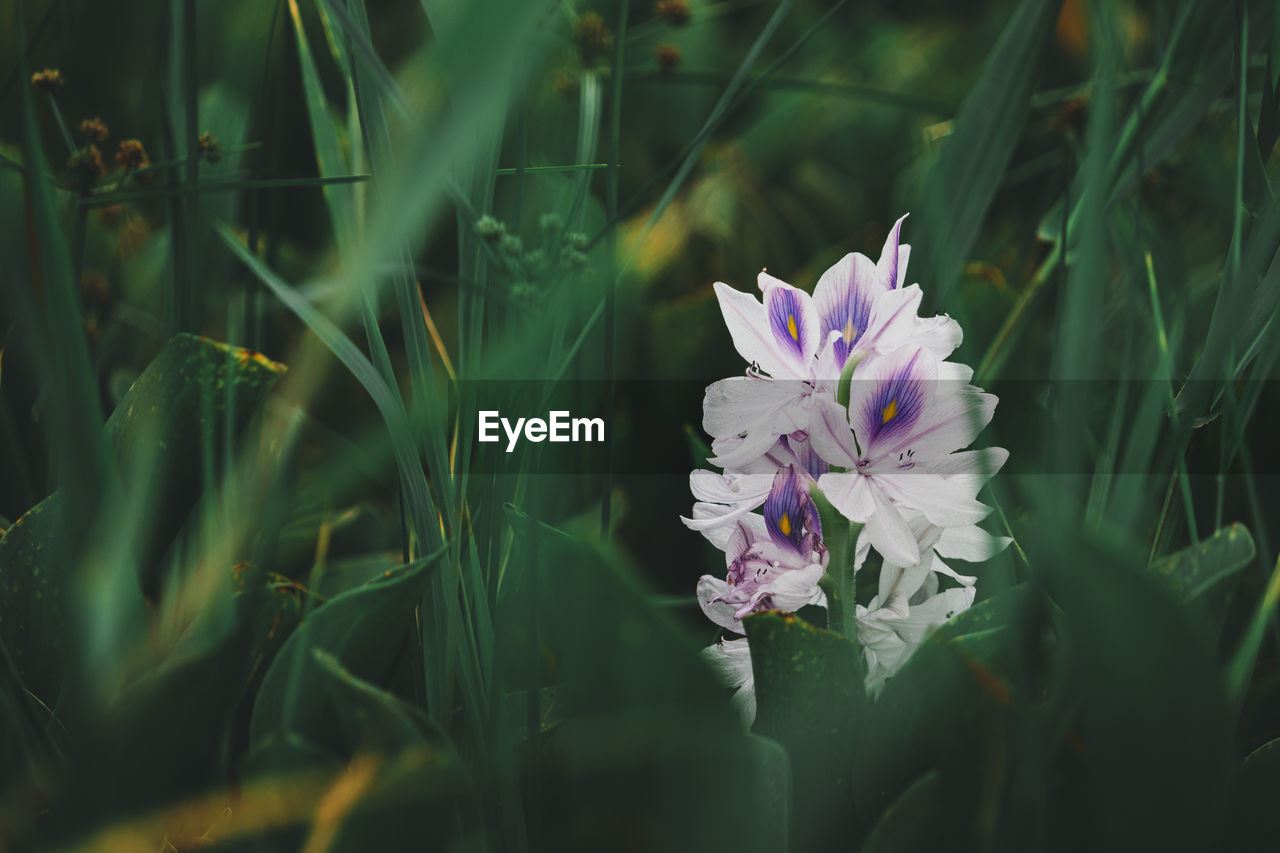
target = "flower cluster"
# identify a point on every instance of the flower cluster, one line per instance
(848, 392)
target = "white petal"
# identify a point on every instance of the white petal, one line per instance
(719, 612)
(737, 405)
(970, 543)
(830, 435)
(943, 502)
(729, 488)
(888, 531)
(793, 589)
(748, 325)
(849, 494)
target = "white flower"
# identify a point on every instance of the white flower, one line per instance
(907, 416)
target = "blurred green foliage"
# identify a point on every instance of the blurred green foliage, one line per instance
(269, 610)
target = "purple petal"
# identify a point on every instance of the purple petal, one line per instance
(785, 513)
(845, 294)
(891, 264)
(894, 407)
(787, 320)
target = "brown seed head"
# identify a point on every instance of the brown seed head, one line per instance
(676, 12)
(210, 150)
(133, 234)
(130, 155)
(87, 164)
(93, 285)
(592, 38)
(94, 129)
(110, 215)
(668, 56)
(48, 80)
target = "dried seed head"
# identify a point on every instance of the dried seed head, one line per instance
(676, 12)
(93, 285)
(111, 215)
(668, 56)
(133, 234)
(48, 80)
(130, 155)
(87, 165)
(210, 150)
(94, 129)
(592, 38)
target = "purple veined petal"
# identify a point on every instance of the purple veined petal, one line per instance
(849, 493)
(768, 282)
(806, 457)
(794, 325)
(843, 298)
(830, 436)
(904, 255)
(748, 324)
(893, 397)
(953, 418)
(943, 502)
(785, 514)
(887, 530)
(711, 592)
(891, 267)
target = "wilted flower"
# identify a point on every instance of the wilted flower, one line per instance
(774, 561)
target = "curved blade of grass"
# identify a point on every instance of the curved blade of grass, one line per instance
(412, 475)
(962, 184)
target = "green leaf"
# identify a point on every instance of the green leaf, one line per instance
(915, 821)
(632, 692)
(1192, 571)
(174, 409)
(363, 629)
(929, 710)
(372, 718)
(809, 697)
(963, 182)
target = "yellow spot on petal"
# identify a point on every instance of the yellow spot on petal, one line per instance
(848, 331)
(784, 524)
(889, 412)
(791, 327)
